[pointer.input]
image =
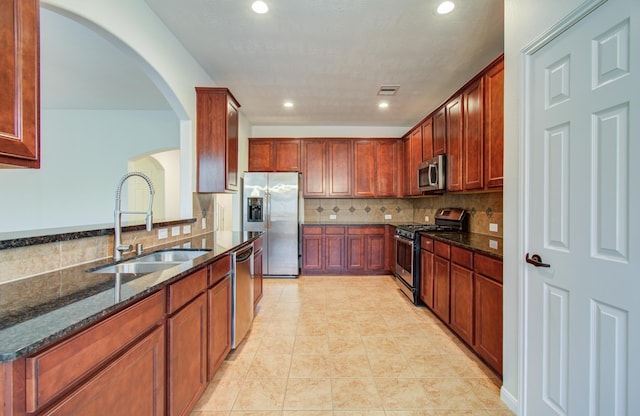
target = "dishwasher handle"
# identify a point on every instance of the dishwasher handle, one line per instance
(245, 255)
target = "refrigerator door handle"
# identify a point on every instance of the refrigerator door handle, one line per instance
(267, 210)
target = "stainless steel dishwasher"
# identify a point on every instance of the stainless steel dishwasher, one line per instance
(242, 292)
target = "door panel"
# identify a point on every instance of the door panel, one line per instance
(581, 314)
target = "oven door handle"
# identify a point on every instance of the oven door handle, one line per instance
(406, 240)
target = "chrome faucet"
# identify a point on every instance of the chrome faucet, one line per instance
(118, 247)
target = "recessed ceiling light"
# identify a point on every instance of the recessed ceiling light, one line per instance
(383, 104)
(288, 104)
(445, 7)
(259, 7)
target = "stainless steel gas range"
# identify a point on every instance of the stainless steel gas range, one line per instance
(407, 239)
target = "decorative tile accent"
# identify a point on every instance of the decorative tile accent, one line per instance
(489, 212)
(398, 209)
(352, 209)
(319, 209)
(473, 211)
(383, 209)
(367, 209)
(336, 209)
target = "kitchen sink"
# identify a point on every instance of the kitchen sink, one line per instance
(152, 262)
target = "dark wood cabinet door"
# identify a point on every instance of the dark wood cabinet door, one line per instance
(473, 142)
(387, 172)
(427, 139)
(339, 159)
(416, 157)
(312, 247)
(494, 126)
(426, 278)
(257, 277)
(374, 253)
(406, 172)
(454, 144)
(260, 155)
(356, 250)
(364, 168)
(439, 132)
(286, 155)
(133, 384)
(488, 324)
(187, 356)
(20, 86)
(334, 250)
(216, 139)
(314, 156)
(461, 319)
(219, 302)
(441, 288)
(390, 247)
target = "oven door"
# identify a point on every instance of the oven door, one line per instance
(404, 261)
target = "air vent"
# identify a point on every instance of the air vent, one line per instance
(388, 90)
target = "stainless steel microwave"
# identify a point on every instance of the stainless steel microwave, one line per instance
(431, 175)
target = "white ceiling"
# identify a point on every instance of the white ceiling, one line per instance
(328, 56)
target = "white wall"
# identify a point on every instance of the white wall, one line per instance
(524, 21)
(84, 155)
(170, 161)
(328, 131)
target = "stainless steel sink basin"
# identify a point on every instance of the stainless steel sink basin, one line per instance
(152, 262)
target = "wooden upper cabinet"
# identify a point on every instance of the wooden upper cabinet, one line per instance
(412, 158)
(439, 132)
(217, 139)
(494, 126)
(340, 160)
(454, 143)
(19, 83)
(473, 138)
(427, 139)
(274, 155)
(375, 167)
(314, 168)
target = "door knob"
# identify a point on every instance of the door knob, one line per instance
(536, 260)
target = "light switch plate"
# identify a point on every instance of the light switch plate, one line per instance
(204, 223)
(493, 227)
(163, 233)
(187, 244)
(332, 216)
(186, 229)
(175, 231)
(493, 244)
(387, 216)
(426, 218)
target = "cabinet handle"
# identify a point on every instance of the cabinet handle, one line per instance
(536, 260)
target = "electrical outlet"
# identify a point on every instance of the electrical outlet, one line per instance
(493, 227)
(175, 231)
(493, 244)
(387, 216)
(163, 233)
(204, 243)
(204, 223)
(426, 218)
(332, 216)
(186, 229)
(187, 244)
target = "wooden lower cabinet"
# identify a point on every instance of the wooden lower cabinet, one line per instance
(488, 311)
(219, 298)
(258, 277)
(334, 252)
(312, 247)
(131, 385)
(187, 356)
(365, 249)
(441, 288)
(426, 276)
(461, 319)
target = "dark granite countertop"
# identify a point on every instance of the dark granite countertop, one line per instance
(38, 310)
(480, 243)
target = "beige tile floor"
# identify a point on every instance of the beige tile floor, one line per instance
(349, 345)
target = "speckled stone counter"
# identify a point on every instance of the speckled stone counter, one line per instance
(41, 309)
(480, 243)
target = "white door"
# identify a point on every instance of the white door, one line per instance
(582, 208)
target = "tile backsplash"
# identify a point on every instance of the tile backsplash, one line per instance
(483, 208)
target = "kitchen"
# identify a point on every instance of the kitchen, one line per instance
(519, 30)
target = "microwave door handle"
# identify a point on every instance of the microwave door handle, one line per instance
(432, 167)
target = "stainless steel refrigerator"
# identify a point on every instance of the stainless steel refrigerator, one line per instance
(271, 204)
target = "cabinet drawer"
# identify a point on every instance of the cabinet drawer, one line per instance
(51, 372)
(489, 267)
(333, 230)
(462, 257)
(370, 230)
(426, 243)
(315, 230)
(219, 269)
(442, 249)
(181, 292)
